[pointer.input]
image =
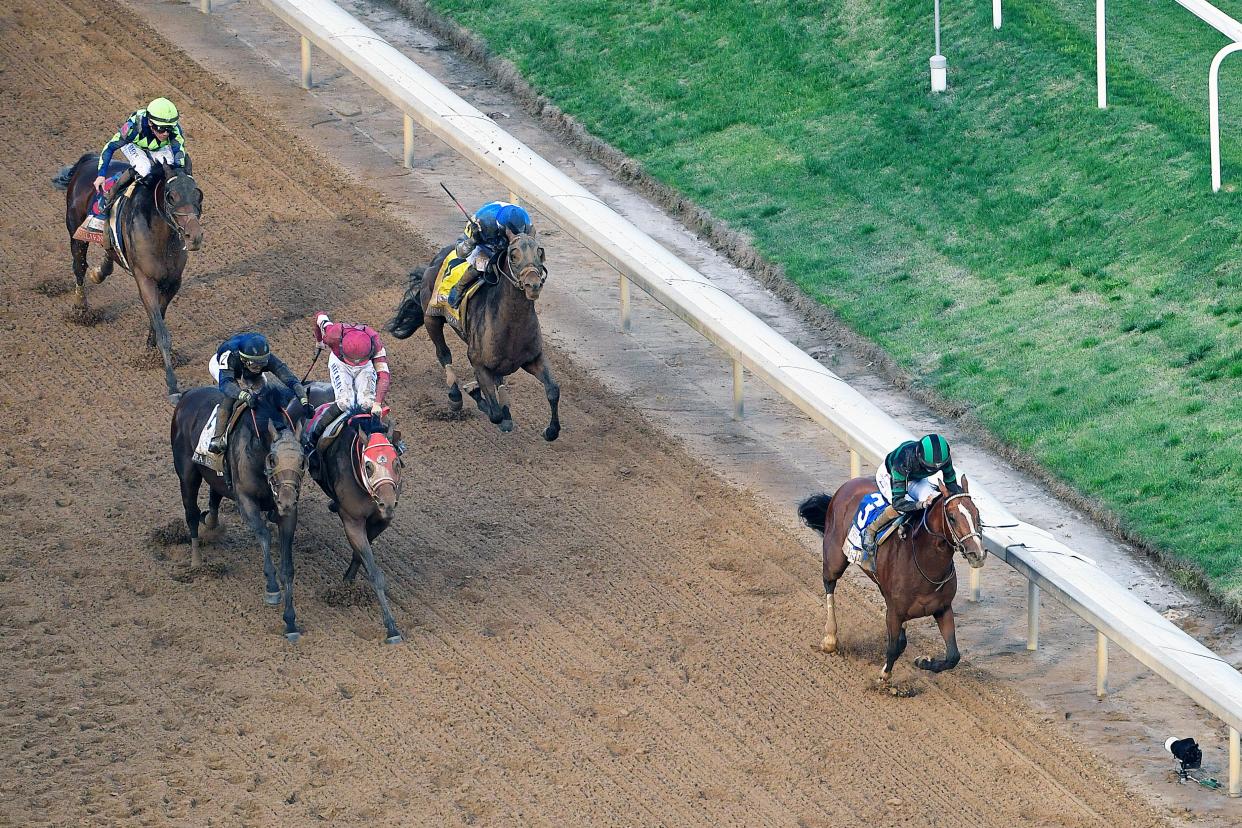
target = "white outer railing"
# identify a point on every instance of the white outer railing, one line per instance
(1049, 565)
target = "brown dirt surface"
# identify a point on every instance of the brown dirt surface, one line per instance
(599, 631)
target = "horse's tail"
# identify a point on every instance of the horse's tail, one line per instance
(814, 511)
(409, 316)
(61, 180)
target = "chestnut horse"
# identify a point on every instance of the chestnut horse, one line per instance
(914, 566)
(502, 329)
(158, 225)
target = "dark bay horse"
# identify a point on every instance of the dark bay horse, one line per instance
(502, 329)
(362, 477)
(158, 225)
(266, 462)
(914, 567)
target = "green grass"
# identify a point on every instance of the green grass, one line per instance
(1065, 272)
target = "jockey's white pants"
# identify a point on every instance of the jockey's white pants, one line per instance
(144, 160)
(354, 385)
(218, 364)
(917, 490)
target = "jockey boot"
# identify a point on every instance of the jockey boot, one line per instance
(217, 444)
(876, 526)
(115, 191)
(459, 290)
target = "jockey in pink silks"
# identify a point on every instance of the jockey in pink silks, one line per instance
(358, 367)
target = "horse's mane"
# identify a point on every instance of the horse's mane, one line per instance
(270, 404)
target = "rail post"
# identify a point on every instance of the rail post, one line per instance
(1214, 109)
(204, 6)
(1235, 764)
(975, 572)
(1101, 665)
(625, 303)
(408, 154)
(996, 14)
(1101, 82)
(737, 390)
(1032, 615)
(306, 69)
(855, 465)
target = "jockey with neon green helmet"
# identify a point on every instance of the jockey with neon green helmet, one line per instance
(902, 479)
(148, 136)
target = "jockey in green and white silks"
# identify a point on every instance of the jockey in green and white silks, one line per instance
(149, 136)
(903, 480)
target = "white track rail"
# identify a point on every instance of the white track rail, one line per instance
(1049, 565)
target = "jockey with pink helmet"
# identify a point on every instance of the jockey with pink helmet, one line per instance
(358, 367)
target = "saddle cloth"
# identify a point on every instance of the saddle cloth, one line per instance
(332, 431)
(451, 272)
(869, 509)
(202, 454)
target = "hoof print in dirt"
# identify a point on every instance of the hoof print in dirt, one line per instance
(53, 288)
(211, 571)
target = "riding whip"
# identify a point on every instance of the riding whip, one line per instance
(455, 201)
(318, 351)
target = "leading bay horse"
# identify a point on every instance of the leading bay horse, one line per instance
(158, 226)
(502, 329)
(266, 464)
(914, 567)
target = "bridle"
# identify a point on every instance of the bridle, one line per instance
(173, 217)
(956, 544)
(505, 268)
(278, 478)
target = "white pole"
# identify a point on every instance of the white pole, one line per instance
(625, 303)
(1214, 109)
(306, 72)
(1235, 764)
(974, 583)
(204, 6)
(1032, 615)
(855, 465)
(939, 66)
(1101, 84)
(1101, 665)
(996, 14)
(408, 155)
(936, 14)
(737, 390)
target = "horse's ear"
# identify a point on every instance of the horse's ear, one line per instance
(964, 483)
(271, 431)
(299, 426)
(541, 259)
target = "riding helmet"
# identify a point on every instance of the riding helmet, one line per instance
(934, 451)
(356, 347)
(254, 352)
(162, 112)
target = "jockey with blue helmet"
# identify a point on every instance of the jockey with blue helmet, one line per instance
(902, 479)
(487, 233)
(238, 367)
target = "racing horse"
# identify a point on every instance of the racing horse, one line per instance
(158, 225)
(501, 331)
(360, 472)
(914, 568)
(266, 464)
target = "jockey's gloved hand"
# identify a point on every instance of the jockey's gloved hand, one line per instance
(245, 397)
(376, 409)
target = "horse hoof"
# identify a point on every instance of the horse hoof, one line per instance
(506, 426)
(271, 598)
(394, 639)
(455, 404)
(293, 637)
(96, 275)
(828, 645)
(551, 434)
(174, 398)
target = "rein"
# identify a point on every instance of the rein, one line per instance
(505, 268)
(161, 207)
(957, 545)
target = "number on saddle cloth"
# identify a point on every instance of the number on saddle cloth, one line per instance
(869, 508)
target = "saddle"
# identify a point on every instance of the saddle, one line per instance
(451, 272)
(203, 455)
(869, 508)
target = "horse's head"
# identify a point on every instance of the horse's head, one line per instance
(183, 206)
(955, 518)
(285, 465)
(380, 468)
(523, 265)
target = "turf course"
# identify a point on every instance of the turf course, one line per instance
(1065, 273)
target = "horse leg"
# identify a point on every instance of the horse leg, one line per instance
(502, 402)
(287, 526)
(948, 630)
(254, 519)
(835, 564)
(152, 301)
(78, 251)
(103, 270)
(435, 332)
(351, 571)
(213, 509)
(538, 368)
(358, 535)
(485, 398)
(190, 482)
(895, 629)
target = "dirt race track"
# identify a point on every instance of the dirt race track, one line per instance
(598, 630)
